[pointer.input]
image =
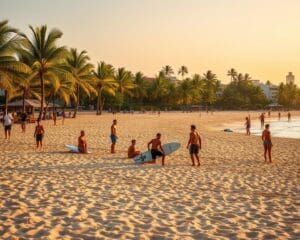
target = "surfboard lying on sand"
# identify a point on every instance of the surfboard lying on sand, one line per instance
(147, 157)
(73, 149)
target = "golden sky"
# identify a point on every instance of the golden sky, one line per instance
(260, 37)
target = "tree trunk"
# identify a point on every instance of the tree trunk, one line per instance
(23, 101)
(102, 105)
(98, 104)
(77, 101)
(42, 97)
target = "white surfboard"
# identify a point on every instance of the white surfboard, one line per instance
(147, 157)
(73, 149)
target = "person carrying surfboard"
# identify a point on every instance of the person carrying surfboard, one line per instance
(132, 153)
(194, 145)
(157, 149)
(82, 142)
(113, 135)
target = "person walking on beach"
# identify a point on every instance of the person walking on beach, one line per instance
(39, 134)
(262, 120)
(157, 149)
(82, 142)
(279, 116)
(7, 123)
(248, 125)
(132, 153)
(23, 121)
(194, 145)
(113, 135)
(266, 138)
(289, 116)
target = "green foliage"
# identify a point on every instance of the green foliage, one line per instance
(288, 95)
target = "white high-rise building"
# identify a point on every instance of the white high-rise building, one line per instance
(290, 78)
(270, 90)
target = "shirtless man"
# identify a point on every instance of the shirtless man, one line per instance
(156, 149)
(266, 138)
(113, 136)
(39, 134)
(82, 142)
(132, 153)
(194, 145)
(248, 125)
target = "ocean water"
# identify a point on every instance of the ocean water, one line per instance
(278, 128)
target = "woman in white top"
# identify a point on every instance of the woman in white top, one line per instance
(7, 122)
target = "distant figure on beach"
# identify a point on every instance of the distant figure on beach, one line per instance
(289, 116)
(194, 145)
(156, 149)
(269, 114)
(54, 118)
(63, 117)
(279, 116)
(113, 135)
(23, 121)
(248, 125)
(7, 123)
(132, 153)
(39, 134)
(266, 138)
(82, 142)
(262, 120)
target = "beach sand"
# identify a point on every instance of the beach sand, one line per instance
(58, 195)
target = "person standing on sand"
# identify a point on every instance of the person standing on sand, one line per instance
(132, 153)
(248, 125)
(279, 116)
(289, 116)
(262, 120)
(113, 135)
(7, 123)
(54, 117)
(156, 149)
(194, 145)
(39, 135)
(23, 121)
(82, 142)
(266, 138)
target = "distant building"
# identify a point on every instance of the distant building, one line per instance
(290, 78)
(270, 90)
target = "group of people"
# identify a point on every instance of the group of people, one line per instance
(266, 134)
(154, 146)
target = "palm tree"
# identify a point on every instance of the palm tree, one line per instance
(159, 88)
(186, 91)
(104, 82)
(61, 88)
(183, 71)
(125, 81)
(77, 64)
(211, 86)
(45, 56)
(10, 68)
(140, 92)
(247, 77)
(232, 73)
(168, 71)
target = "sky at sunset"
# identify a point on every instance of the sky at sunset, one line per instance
(260, 37)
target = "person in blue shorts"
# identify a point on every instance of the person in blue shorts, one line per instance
(113, 136)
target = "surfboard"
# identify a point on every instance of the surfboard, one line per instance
(147, 157)
(73, 149)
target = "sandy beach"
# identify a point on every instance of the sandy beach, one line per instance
(54, 194)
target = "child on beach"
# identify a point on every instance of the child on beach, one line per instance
(266, 138)
(194, 145)
(113, 135)
(156, 149)
(248, 125)
(132, 153)
(82, 142)
(39, 134)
